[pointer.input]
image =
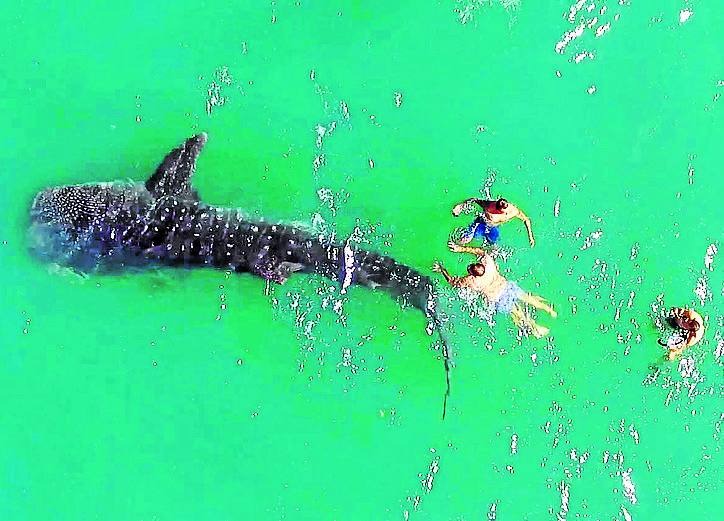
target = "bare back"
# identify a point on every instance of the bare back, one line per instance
(508, 213)
(491, 283)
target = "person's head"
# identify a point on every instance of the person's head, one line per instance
(497, 206)
(476, 270)
(681, 318)
(692, 325)
(687, 323)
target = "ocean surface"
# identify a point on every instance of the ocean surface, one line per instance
(198, 394)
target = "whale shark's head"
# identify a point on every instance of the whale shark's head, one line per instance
(75, 224)
(70, 224)
(76, 207)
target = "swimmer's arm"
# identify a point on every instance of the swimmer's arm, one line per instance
(458, 208)
(437, 267)
(459, 248)
(523, 217)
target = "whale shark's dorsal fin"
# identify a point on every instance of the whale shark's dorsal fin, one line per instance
(173, 175)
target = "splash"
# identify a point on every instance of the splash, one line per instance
(467, 10)
(629, 489)
(588, 20)
(336, 113)
(711, 252)
(215, 91)
(427, 481)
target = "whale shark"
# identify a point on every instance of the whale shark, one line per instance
(111, 226)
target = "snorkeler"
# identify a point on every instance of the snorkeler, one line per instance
(495, 213)
(689, 328)
(483, 277)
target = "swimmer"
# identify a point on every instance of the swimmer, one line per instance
(483, 277)
(689, 328)
(495, 213)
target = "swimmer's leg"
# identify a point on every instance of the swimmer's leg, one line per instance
(538, 302)
(518, 316)
(523, 320)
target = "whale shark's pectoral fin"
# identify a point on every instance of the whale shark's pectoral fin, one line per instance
(154, 252)
(57, 269)
(372, 280)
(288, 268)
(278, 273)
(173, 175)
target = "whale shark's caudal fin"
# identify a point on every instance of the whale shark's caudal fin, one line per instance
(427, 302)
(379, 271)
(173, 175)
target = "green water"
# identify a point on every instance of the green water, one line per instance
(178, 394)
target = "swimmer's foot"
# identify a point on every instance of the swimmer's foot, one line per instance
(538, 302)
(539, 331)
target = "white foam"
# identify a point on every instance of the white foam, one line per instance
(711, 251)
(629, 489)
(565, 496)
(349, 267)
(602, 29)
(626, 515)
(568, 37)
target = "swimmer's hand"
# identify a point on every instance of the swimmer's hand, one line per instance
(437, 267)
(458, 209)
(455, 247)
(532, 241)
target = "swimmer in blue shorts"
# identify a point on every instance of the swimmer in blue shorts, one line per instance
(483, 277)
(495, 213)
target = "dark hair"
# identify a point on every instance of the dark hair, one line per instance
(476, 269)
(501, 204)
(689, 324)
(680, 319)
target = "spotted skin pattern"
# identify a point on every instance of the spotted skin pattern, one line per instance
(104, 227)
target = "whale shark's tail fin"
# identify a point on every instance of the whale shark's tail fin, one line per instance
(352, 266)
(378, 271)
(422, 295)
(435, 324)
(173, 175)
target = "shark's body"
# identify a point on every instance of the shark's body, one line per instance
(108, 226)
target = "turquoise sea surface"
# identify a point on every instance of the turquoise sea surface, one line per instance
(199, 394)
